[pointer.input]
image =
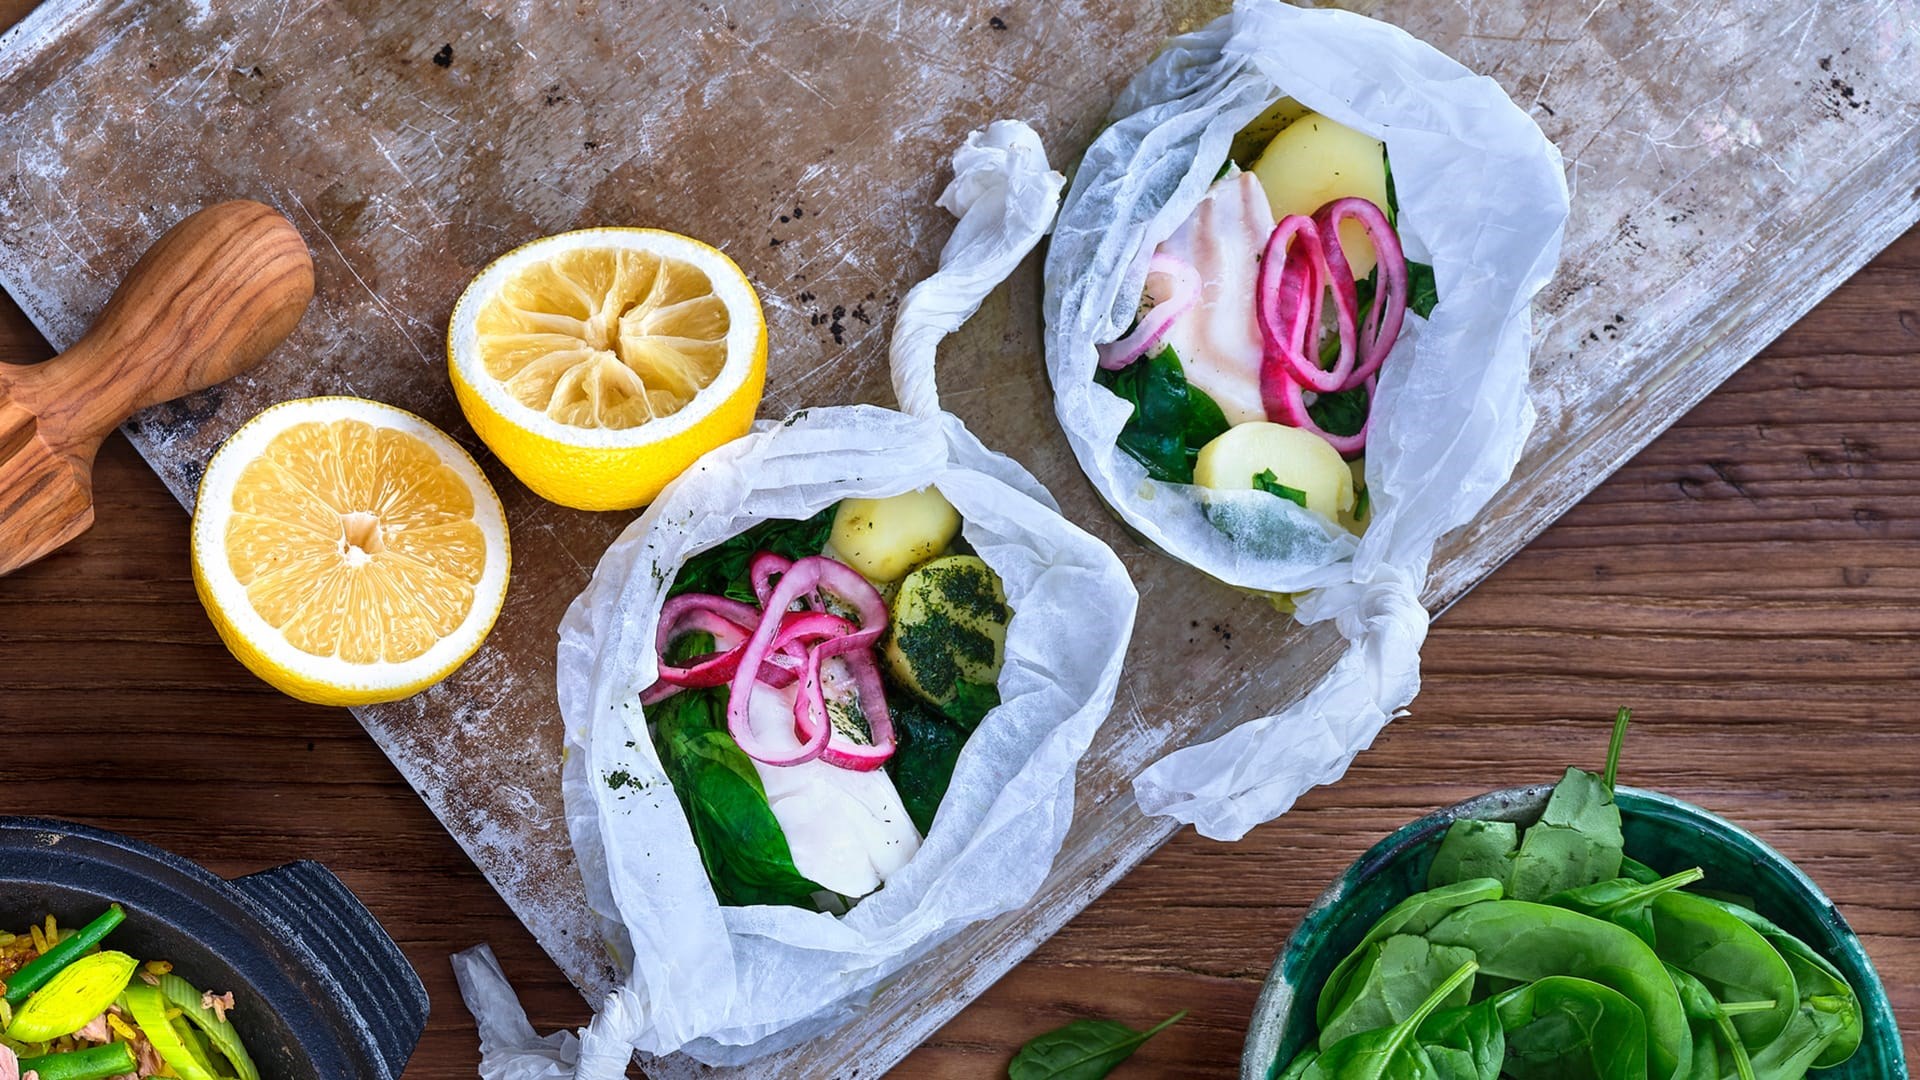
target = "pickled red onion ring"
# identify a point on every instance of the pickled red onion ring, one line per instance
(1289, 293)
(1178, 285)
(1389, 308)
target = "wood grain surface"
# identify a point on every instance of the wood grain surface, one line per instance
(1749, 583)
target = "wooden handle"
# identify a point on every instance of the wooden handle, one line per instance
(207, 302)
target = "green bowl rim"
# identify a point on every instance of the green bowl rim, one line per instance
(1268, 1023)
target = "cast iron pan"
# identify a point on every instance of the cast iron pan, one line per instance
(321, 992)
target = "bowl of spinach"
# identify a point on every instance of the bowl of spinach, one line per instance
(1613, 933)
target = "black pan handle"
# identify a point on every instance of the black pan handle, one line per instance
(379, 988)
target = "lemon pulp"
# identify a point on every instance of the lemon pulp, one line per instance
(355, 541)
(604, 337)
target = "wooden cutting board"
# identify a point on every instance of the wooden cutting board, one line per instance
(1730, 162)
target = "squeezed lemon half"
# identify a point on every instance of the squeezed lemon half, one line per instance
(599, 364)
(348, 552)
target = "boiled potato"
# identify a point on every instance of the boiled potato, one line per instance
(1296, 458)
(1253, 138)
(885, 538)
(1315, 161)
(949, 626)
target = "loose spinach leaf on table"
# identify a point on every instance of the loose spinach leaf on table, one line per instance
(722, 569)
(741, 843)
(1171, 418)
(1082, 1050)
(1394, 979)
(1564, 1028)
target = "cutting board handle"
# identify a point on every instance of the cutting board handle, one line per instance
(204, 304)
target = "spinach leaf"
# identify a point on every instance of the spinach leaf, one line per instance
(1714, 1039)
(1301, 1067)
(1415, 915)
(741, 843)
(1564, 1028)
(1082, 1050)
(926, 751)
(722, 569)
(1341, 413)
(1576, 842)
(1391, 1053)
(971, 703)
(1474, 849)
(1731, 958)
(1423, 294)
(1819, 1025)
(1635, 870)
(1815, 976)
(1397, 976)
(1171, 419)
(1514, 939)
(1269, 483)
(1466, 1043)
(1624, 902)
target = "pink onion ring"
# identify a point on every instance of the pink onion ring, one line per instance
(1173, 285)
(803, 577)
(1389, 307)
(810, 707)
(762, 570)
(1294, 275)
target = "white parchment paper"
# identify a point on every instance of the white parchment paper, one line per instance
(726, 984)
(1483, 198)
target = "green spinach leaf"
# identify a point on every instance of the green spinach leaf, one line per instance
(1815, 976)
(1082, 1050)
(1526, 942)
(1474, 849)
(1466, 1043)
(1415, 915)
(926, 751)
(971, 703)
(1171, 419)
(1423, 294)
(1576, 842)
(741, 843)
(1269, 483)
(1731, 958)
(722, 569)
(1341, 413)
(1391, 1053)
(1564, 1028)
(1624, 902)
(1714, 1038)
(1395, 978)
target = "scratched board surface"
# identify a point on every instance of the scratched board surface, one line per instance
(1731, 162)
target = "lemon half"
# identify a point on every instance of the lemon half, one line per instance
(348, 552)
(599, 364)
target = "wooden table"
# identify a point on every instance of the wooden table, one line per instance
(1750, 584)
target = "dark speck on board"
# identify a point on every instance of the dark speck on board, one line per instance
(444, 58)
(997, 23)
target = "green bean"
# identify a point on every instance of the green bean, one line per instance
(93, 1063)
(36, 972)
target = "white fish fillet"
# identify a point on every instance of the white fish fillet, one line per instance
(848, 830)
(1218, 340)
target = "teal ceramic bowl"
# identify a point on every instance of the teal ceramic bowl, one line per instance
(1663, 832)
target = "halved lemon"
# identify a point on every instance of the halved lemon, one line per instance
(599, 364)
(347, 551)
